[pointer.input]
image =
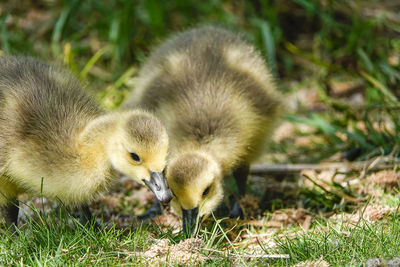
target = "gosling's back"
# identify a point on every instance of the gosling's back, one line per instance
(212, 90)
(42, 109)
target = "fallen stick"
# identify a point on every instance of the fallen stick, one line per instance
(264, 256)
(293, 168)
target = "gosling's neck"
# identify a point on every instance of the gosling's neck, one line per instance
(94, 139)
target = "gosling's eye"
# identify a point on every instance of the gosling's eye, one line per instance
(135, 157)
(206, 191)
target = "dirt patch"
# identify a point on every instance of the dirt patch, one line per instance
(168, 220)
(281, 218)
(376, 262)
(386, 178)
(316, 263)
(371, 213)
(185, 252)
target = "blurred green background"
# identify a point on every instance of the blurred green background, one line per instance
(337, 64)
(341, 58)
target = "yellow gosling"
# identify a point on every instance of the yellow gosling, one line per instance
(52, 131)
(215, 95)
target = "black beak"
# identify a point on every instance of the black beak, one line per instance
(158, 184)
(189, 221)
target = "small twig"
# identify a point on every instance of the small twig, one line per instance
(262, 235)
(269, 256)
(371, 166)
(263, 256)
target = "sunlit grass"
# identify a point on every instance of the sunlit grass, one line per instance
(104, 44)
(342, 243)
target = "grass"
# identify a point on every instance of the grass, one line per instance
(58, 239)
(338, 64)
(54, 244)
(342, 244)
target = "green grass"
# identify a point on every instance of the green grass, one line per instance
(343, 245)
(310, 45)
(57, 238)
(52, 239)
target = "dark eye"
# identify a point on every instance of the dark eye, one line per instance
(135, 157)
(206, 191)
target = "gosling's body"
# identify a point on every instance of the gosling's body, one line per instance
(56, 141)
(39, 132)
(216, 97)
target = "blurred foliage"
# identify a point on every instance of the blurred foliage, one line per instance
(105, 41)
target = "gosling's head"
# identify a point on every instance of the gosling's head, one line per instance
(196, 181)
(139, 149)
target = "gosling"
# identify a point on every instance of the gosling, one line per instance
(57, 142)
(215, 95)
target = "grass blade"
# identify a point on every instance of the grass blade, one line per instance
(92, 61)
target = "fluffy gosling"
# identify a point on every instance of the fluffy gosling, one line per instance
(215, 95)
(56, 141)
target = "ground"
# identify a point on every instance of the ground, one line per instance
(337, 64)
(307, 218)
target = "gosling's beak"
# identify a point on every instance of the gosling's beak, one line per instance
(158, 184)
(189, 221)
